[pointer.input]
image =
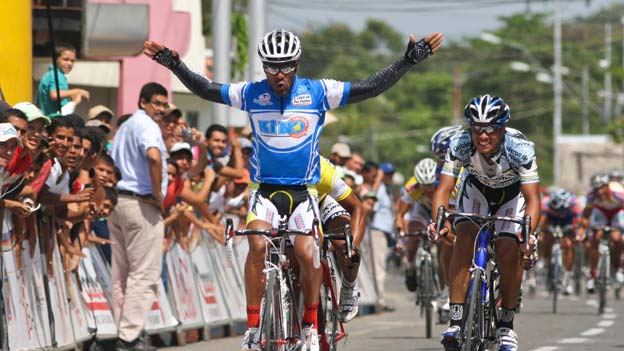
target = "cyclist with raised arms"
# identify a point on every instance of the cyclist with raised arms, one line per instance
(286, 114)
(604, 207)
(501, 179)
(559, 209)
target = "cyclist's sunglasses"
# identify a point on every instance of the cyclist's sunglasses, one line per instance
(284, 68)
(489, 129)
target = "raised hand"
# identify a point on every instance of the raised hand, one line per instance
(422, 49)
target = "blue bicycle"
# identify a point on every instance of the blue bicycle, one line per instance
(481, 302)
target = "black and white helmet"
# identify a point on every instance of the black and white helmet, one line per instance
(442, 138)
(598, 180)
(486, 109)
(279, 46)
(425, 171)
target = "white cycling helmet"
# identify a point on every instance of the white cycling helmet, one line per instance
(425, 171)
(279, 46)
(598, 180)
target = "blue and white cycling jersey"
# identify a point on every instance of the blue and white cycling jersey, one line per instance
(513, 162)
(286, 129)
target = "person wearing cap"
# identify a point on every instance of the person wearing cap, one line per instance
(378, 180)
(35, 129)
(98, 124)
(102, 114)
(340, 153)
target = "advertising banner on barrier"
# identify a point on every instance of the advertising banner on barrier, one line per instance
(160, 317)
(35, 292)
(58, 298)
(183, 289)
(99, 314)
(22, 329)
(228, 282)
(212, 301)
(78, 310)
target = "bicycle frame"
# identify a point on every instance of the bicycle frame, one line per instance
(280, 322)
(331, 329)
(482, 313)
(557, 263)
(603, 280)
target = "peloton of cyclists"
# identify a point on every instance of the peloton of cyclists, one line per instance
(501, 179)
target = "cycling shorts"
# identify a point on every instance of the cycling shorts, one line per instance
(601, 218)
(474, 197)
(269, 202)
(330, 209)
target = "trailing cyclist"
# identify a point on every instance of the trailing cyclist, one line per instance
(286, 114)
(502, 180)
(439, 144)
(604, 207)
(559, 209)
(340, 206)
(414, 213)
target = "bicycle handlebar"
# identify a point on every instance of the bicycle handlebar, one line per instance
(274, 233)
(525, 221)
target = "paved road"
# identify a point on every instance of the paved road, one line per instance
(577, 327)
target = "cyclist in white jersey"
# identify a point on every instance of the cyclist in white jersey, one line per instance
(501, 180)
(286, 114)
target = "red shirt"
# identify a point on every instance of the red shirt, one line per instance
(173, 190)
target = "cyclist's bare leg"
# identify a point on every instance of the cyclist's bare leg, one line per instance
(445, 250)
(567, 250)
(616, 248)
(348, 267)
(413, 242)
(254, 278)
(310, 278)
(593, 251)
(461, 259)
(544, 246)
(509, 260)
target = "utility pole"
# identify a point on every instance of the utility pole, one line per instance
(608, 94)
(557, 90)
(585, 97)
(222, 32)
(257, 28)
(457, 88)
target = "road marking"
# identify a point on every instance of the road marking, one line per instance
(593, 332)
(606, 323)
(573, 341)
(609, 316)
(609, 309)
(592, 303)
(546, 348)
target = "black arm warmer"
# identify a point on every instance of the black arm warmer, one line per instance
(379, 82)
(198, 84)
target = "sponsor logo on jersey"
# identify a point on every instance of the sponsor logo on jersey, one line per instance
(294, 127)
(302, 100)
(264, 100)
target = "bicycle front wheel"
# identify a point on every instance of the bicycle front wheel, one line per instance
(427, 291)
(474, 318)
(602, 282)
(271, 324)
(555, 280)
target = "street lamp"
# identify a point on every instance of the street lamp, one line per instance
(543, 76)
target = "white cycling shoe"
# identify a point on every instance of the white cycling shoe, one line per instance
(348, 306)
(311, 339)
(251, 340)
(506, 340)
